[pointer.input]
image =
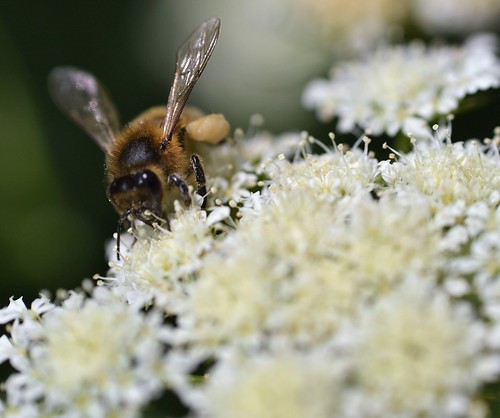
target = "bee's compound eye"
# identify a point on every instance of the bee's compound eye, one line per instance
(122, 184)
(144, 181)
(149, 180)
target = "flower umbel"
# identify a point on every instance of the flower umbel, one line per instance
(291, 385)
(401, 88)
(417, 354)
(158, 266)
(91, 357)
(336, 285)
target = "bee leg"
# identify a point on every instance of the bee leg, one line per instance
(199, 174)
(175, 180)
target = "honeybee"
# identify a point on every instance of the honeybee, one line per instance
(150, 162)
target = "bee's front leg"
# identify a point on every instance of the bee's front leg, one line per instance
(175, 180)
(199, 174)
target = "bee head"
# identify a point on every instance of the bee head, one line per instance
(136, 196)
(138, 192)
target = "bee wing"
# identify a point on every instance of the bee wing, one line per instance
(192, 57)
(80, 96)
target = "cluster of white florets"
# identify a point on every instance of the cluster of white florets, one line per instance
(340, 286)
(89, 356)
(402, 88)
(378, 286)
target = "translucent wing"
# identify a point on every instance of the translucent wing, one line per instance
(192, 58)
(80, 96)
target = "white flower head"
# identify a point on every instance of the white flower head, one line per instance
(288, 385)
(235, 164)
(25, 327)
(157, 266)
(273, 275)
(396, 87)
(94, 357)
(397, 231)
(459, 174)
(300, 266)
(331, 176)
(323, 285)
(417, 354)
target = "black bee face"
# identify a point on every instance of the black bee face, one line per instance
(138, 194)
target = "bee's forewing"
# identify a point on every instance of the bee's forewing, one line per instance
(82, 98)
(192, 57)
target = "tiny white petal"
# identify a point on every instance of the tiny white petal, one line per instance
(218, 214)
(16, 309)
(456, 287)
(42, 305)
(6, 348)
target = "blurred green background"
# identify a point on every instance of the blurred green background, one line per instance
(55, 218)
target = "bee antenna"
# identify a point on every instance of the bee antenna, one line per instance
(164, 143)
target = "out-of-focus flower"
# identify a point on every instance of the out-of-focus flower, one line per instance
(350, 24)
(402, 88)
(289, 385)
(457, 16)
(317, 263)
(89, 357)
(416, 354)
(254, 288)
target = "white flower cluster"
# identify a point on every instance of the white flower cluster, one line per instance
(88, 357)
(401, 88)
(376, 288)
(159, 265)
(335, 285)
